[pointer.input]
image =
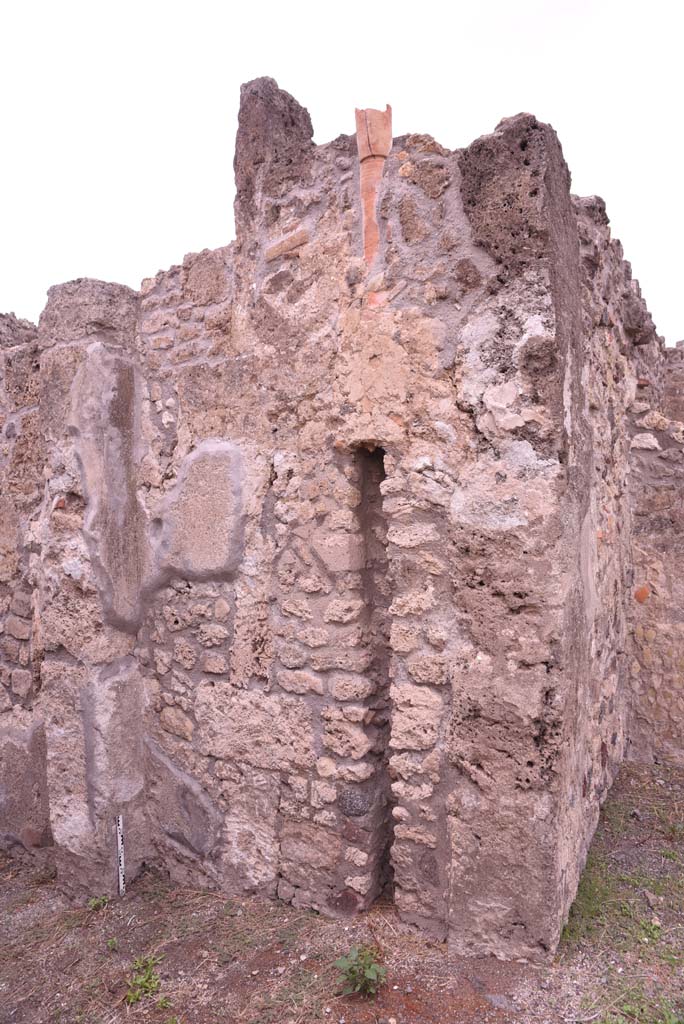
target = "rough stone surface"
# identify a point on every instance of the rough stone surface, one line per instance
(351, 552)
(654, 600)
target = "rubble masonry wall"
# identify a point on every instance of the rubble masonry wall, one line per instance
(319, 557)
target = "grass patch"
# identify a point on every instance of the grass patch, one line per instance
(617, 908)
(596, 894)
(615, 816)
(671, 821)
(634, 1006)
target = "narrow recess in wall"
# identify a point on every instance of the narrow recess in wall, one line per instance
(377, 598)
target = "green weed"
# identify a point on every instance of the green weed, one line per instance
(145, 980)
(97, 902)
(360, 971)
(650, 932)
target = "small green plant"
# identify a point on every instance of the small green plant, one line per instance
(669, 855)
(626, 909)
(97, 902)
(164, 1003)
(650, 931)
(112, 945)
(360, 971)
(145, 980)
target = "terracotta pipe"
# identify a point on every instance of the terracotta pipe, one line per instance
(374, 142)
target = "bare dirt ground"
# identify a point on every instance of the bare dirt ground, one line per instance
(169, 956)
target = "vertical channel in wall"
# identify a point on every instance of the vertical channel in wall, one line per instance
(377, 598)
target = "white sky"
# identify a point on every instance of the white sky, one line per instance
(118, 118)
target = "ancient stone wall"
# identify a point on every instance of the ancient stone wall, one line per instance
(24, 822)
(617, 338)
(657, 639)
(672, 378)
(328, 542)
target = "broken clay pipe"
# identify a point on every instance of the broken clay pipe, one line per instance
(374, 142)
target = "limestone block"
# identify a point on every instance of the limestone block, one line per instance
(95, 769)
(18, 628)
(24, 812)
(645, 442)
(345, 738)
(428, 668)
(286, 245)
(416, 717)
(344, 610)
(346, 686)
(213, 663)
(249, 841)
(86, 309)
(22, 681)
(175, 721)
(339, 551)
(114, 703)
(263, 730)
(212, 634)
(9, 539)
(67, 779)
(206, 278)
(350, 660)
(299, 682)
(413, 602)
(404, 637)
(412, 535)
(184, 653)
(308, 844)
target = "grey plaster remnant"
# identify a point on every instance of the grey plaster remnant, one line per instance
(189, 819)
(197, 533)
(200, 527)
(105, 425)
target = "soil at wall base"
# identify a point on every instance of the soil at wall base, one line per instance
(229, 961)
